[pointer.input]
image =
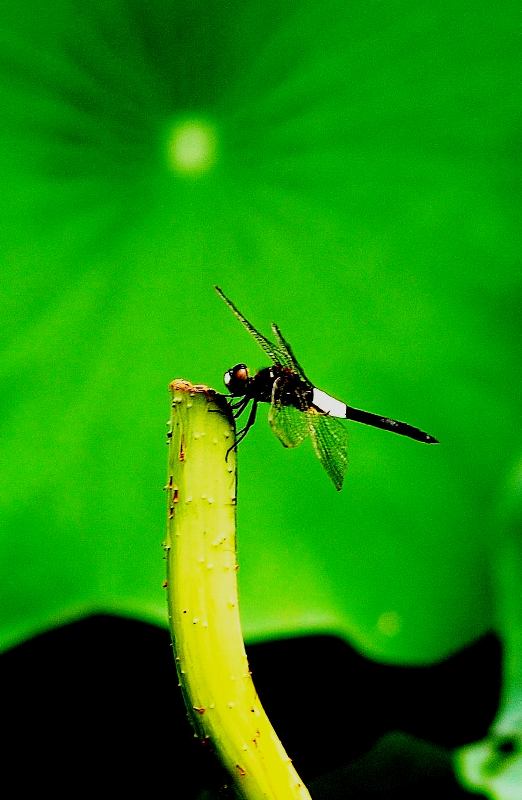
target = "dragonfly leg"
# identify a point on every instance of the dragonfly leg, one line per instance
(240, 406)
(250, 421)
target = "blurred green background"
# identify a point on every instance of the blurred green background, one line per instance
(348, 170)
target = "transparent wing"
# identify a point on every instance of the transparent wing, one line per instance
(289, 425)
(284, 347)
(273, 351)
(287, 422)
(330, 441)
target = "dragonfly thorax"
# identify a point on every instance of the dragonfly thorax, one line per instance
(281, 386)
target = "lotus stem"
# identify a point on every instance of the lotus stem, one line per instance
(203, 603)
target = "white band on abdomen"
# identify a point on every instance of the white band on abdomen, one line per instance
(327, 404)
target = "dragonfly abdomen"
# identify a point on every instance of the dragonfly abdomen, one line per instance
(328, 405)
(387, 424)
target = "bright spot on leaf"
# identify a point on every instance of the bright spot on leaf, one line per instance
(389, 623)
(191, 147)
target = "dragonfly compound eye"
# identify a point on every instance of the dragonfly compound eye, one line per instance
(236, 379)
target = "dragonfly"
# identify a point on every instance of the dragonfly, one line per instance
(298, 409)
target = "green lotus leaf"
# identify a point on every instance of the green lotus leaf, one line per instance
(345, 170)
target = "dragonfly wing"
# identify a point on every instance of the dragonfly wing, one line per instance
(284, 347)
(287, 422)
(272, 350)
(330, 441)
(289, 425)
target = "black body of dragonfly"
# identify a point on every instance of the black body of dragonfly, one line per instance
(298, 408)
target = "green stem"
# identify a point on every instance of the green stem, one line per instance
(203, 600)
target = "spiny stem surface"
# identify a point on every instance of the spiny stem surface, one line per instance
(203, 599)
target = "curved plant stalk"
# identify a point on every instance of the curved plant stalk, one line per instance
(203, 600)
(493, 765)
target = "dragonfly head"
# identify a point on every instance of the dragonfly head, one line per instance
(237, 379)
